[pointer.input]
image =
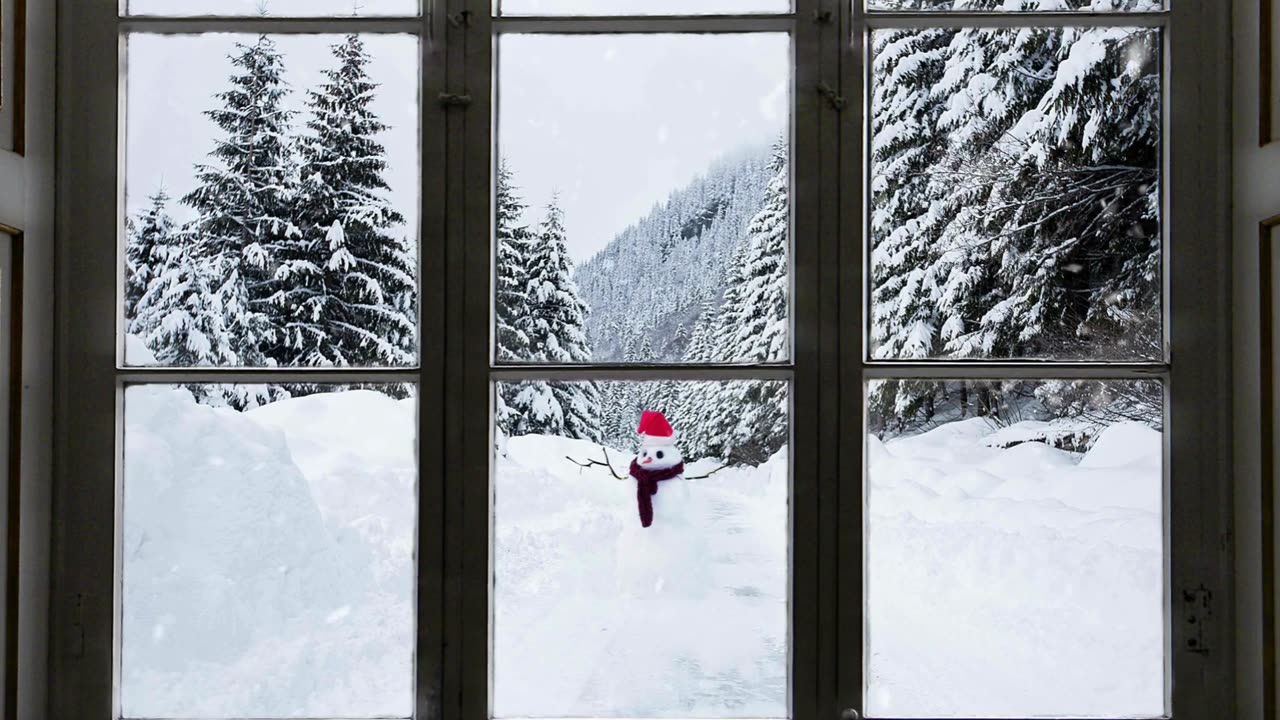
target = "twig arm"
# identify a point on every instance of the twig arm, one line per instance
(704, 477)
(592, 463)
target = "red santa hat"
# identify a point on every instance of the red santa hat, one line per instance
(654, 430)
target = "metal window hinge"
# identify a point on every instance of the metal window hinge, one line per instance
(835, 99)
(460, 20)
(451, 100)
(1197, 613)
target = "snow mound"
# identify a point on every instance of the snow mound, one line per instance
(1125, 443)
(1017, 580)
(136, 351)
(239, 599)
(1062, 434)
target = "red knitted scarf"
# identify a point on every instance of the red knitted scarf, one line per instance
(647, 486)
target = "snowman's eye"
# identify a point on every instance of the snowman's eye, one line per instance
(659, 454)
(644, 454)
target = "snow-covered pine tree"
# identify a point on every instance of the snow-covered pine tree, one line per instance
(905, 149)
(181, 320)
(511, 289)
(244, 200)
(344, 290)
(1077, 222)
(553, 324)
(748, 419)
(756, 300)
(512, 241)
(1037, 232)
(150, 242)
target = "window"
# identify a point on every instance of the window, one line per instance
(370, 357)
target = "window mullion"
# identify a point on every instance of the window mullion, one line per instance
(429, 660)
(468, 390)
(850, 493)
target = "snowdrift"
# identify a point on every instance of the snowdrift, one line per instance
(240, 599)
(1015, 582)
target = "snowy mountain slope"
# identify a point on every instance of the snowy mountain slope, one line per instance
(647, 287)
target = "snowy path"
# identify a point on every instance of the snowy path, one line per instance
(719, 654)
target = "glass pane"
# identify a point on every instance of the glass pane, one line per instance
(1016, 202)
(268, 554)
(272, 199)
(641, 204)
(670, 603)
(273, 8)
(640, 7)
(1018, 5)
(1015, 556)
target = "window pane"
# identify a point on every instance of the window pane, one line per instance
(1016, 202)
(640, 7)
(684, 618)
(640, 204)
(1018, 5)
(1015, 556)
(276, 8)
(268, 554)
(272, 199)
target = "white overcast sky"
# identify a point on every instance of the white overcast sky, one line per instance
(613, 123)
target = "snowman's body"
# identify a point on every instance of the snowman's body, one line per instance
(663, 557)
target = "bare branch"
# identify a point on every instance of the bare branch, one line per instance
(606, 463)
(704, 477)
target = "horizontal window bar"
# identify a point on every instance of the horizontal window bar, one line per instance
(878, 20)
(270, 25)
(254, 376)
(646, 24)
(641, 372)
(1014, 371)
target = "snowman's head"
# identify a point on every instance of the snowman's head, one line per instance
(658, 457)
(658, 449)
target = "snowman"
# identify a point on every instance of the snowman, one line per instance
(660, 549)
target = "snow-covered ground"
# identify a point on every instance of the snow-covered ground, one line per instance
(268, 572)
(1024, 581)
(268, 567)
(566, 641)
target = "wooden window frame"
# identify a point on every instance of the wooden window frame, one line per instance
(827, 371)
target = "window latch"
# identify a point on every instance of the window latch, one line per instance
(835, 99)
(849, 714)
(454, 100)
(460, 20)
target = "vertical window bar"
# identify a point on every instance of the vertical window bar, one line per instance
(429, 701)
(468, 388)
(854, 324)
(814, 127)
